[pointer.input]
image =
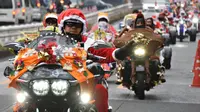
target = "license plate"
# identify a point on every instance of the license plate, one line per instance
(139, 68)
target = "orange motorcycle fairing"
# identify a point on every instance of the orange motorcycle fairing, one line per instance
(83, 75)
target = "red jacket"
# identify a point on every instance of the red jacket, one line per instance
(108, 53)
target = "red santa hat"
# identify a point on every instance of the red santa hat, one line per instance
(72, 14)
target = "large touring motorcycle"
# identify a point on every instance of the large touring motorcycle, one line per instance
(143, 68)
(50, 75)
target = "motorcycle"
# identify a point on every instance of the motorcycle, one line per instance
(166, 52)
(102, 39)
(50, 75)
(182, 30)
(142, 71)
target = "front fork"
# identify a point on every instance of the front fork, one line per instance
(146, 69)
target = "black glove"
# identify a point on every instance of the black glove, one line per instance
(125, 51)
(92, 57)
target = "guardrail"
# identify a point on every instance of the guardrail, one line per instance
(11, 33)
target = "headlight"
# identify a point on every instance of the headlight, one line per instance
(60, 87)
(41, 87)
(195, 20)
(139, 51)
(21, 97)
(182, 5)
(181, 22)
(190, 16)
(85, 98)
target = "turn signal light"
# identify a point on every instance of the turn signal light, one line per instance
(38, 5)
(23, 11)
(62, 1)
(13, 13)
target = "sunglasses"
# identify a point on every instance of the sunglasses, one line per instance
(51, 21)
(72, 24)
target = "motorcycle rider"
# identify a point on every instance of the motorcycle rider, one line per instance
(50, 22)
(103, 18)
(72, 23)
(150, 23)
(128, 23)
(139, 23)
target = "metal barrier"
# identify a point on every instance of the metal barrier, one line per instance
(11, 33)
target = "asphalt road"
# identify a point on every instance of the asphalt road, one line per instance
(175, 95)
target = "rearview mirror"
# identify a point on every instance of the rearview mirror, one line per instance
(15, 47)
(8, 70)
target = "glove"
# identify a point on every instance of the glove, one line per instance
(125, 51)
(92, 57)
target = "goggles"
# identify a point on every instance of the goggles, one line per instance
(73, 24)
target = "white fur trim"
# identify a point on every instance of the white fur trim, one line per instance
(88, 43)
(51, 16)
(113, 54)
(99, 17)
(73, 17)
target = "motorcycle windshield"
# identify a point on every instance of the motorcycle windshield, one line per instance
(47, 72)
(62, 41)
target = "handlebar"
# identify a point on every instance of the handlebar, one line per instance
(95, 57)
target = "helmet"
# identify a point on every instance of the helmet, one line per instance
(50, 18)
(103, 17)
(74, 16)
(129, 19)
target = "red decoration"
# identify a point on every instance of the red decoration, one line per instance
(48, 49)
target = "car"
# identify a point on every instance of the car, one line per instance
(15, 11)
(155, 4)
(99, 4)
(151, 12)
(38, 11)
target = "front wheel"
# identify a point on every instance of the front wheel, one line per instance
(91, 108)
(193, 36)
(140, 85)
(167, 63)
(173, 38)
(181, 38)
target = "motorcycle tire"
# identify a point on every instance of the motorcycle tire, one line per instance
(90, 109)
(181, 39)
(172, 39)
(167, 63)
(193, 37)
(140, 85)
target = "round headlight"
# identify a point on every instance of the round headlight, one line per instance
(21, 97)
(139, 51)
(60, 87)
(41, 87)
(85, 98)
(182, 5)
(181, 22)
